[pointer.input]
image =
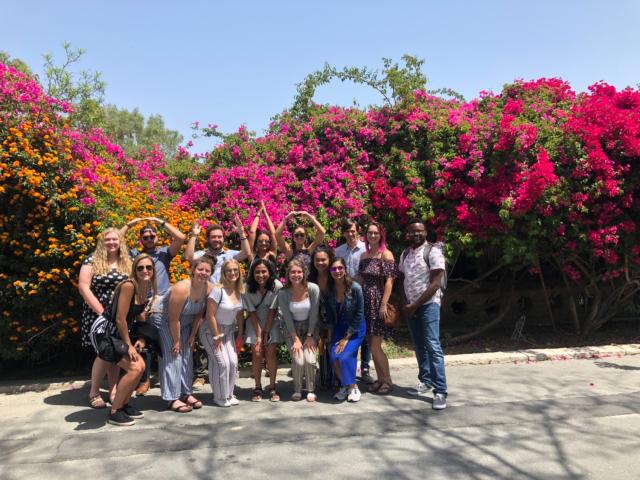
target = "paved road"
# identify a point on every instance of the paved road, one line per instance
(569, 419)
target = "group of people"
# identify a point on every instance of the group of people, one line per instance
(329, 305)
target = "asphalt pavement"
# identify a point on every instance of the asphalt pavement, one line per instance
(510, 416)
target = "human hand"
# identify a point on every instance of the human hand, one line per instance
(218, 344)
(196, 229)
(409, 310)
(383, 311)
(310, 344)
(133, 354)
(297, 346)
(192, 342)
(176, 350)
(340, 345)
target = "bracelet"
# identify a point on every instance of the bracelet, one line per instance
(218, 337)
(242, 238)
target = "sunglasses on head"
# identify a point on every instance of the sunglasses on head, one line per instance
(338, 268)
(148, 237)
(142, 268)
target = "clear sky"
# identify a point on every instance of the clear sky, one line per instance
(233, 63)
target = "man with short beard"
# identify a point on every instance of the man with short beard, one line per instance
(422, 281)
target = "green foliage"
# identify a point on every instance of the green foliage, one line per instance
(132, 131)
(394, 83)
(84, 89)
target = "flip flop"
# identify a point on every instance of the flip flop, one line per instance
(273, 395)
(179, 408)
(97, 402)
(385, 389)
(256, 396)
(375, 386)
(194, 403)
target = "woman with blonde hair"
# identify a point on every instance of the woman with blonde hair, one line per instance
(105, 268)
(217, 335)
(120, 333)
(182, 312)
(299, 302)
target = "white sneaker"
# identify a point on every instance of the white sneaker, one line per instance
(233, 400)
(439, 401)
(354, 395)
(421, 389)
(222, 403)
(311, 397)
(341, 394)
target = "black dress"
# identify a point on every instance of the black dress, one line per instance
(102, 287)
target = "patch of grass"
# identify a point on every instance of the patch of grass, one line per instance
(396, 350)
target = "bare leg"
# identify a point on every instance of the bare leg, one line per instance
(380, 360)
(336, 370)
(256, 365)
(98, 371)
(272, 364)
(128, 382)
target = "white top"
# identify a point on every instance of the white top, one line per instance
(416, 272)
(227, 311)
(300, 310)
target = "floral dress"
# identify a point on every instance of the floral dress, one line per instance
(102, 287)
(374, 273)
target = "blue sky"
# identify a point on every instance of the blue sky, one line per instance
(233, 63)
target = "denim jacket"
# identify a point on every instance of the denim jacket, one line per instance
(353, 307)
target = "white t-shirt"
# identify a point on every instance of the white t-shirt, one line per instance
(300, 310)
(227, 311)
(416, 272)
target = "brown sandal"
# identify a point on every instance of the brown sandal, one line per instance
(97, 402)
(184, 408)
(375, 386)
(256, 396)
(384, 389)
(192, 401)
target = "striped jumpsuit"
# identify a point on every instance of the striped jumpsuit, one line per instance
(177, 371)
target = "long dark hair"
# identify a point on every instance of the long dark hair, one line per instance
(348, 281)
(252, 285)
(313, 271)
(255, 241)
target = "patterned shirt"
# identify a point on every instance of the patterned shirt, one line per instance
(416, 272)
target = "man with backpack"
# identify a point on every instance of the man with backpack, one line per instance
(423, 266)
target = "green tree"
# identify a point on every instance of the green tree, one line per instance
(394, 83)
(84, 89)
(132, 131)
(15, 63)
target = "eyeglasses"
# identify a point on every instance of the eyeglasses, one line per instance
(148, 237)
(339, 268)
(299, 234)
(142, 268)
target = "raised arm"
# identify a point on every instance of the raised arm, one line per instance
(191, 244)
(251, 234)
(245, 248)
(282, 243)
(272, 230)
(320, 231)
(177, 237)
(130, 224)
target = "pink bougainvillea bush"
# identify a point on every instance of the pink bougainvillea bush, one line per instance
(535, 177)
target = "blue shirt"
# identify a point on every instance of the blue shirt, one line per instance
(161, 260)
(351, 256)
(221, 257)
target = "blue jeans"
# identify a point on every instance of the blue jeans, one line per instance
(365, 355)
(424, 327)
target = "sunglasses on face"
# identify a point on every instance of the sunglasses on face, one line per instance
(299, 234)
(337, 269)
(142, 268)
(148, 237)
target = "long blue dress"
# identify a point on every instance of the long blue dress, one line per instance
(348, 358)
